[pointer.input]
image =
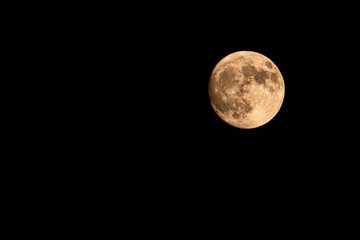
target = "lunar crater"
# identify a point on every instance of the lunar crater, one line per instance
(268, 64)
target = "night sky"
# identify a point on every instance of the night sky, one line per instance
(112, 118)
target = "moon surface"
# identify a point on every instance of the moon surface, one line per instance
(246, 89)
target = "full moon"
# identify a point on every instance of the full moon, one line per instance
(246, 89)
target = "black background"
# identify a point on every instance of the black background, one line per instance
(117, 109)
